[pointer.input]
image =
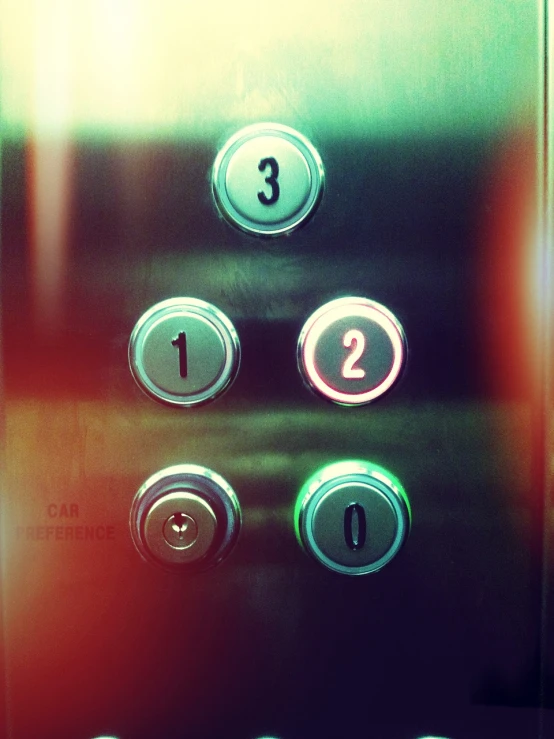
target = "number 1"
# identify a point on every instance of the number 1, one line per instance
(181, 343)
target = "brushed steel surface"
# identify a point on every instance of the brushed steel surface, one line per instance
(429, 119)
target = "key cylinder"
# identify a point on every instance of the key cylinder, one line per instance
(185, 517)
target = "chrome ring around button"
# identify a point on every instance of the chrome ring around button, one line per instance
(351, 351)
(184, 352)
(267, 179)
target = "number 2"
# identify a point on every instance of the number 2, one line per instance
(355, 339)
(271, 180)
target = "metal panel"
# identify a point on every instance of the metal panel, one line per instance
(429, 119)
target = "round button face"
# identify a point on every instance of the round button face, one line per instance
(184, 352)
(351, 351)
(345, 509)
(267, 179)
(185, 517)
(353, 517)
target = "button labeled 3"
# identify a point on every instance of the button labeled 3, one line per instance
(351, 351)
(184, 352)
(352, 517)
(267, 179)
(185, 517)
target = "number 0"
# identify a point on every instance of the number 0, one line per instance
(355, 526)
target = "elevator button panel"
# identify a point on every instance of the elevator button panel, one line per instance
(267, 179)
(351, 351)
(352, 517)
(184, 352)
(185, 517)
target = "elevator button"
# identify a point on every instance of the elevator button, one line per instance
(267, 179)
(184, 352)
(352, 516)
(351, 351)
(185, 517)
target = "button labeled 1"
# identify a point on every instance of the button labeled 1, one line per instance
(184, 352)
(352, 517)
(351, 351)
(267, 179)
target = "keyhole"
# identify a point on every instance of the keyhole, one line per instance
(179, 525)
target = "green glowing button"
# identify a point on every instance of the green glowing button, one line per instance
(267, 179)
(351, 351)
(184, 352)
(352, 517)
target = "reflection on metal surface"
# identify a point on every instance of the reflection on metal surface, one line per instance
(466, 75)
(513, 290)
(49, 194)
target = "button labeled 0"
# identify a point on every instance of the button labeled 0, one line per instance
(352, 517)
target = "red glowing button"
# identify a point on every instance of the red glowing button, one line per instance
(351, 351)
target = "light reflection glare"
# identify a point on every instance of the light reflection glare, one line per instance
(514, 278)
(49, 158)
(49, 193)
(134, 64)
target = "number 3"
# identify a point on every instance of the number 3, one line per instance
(271, 180)
(356, 340)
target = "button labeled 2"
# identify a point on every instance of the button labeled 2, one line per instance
(351, 351)
(184, 352)
(267, 179)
